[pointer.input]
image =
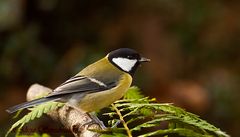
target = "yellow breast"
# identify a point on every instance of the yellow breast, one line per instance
(99, 100)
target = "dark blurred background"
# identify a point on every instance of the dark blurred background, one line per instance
(194, 47)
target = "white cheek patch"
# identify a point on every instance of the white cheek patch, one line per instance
(125, 64)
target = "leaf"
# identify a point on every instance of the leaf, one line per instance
(34, 135)
(152, 123)
(135, 119)
(133, 93)
(182, 115)
(146, 113)
(114, 135)
(17, 114)
(179, 131)
(36, 112)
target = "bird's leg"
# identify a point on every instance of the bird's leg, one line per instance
(95, 119)
(116, 124)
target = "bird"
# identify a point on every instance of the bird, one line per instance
(96, 86)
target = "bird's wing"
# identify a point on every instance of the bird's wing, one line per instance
(81, 84)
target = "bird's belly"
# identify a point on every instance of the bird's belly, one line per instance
(95, 101)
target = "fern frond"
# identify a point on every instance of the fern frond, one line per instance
(145, 113)
(114, 135)
(17, 114)
(180, 131)
(34, 135)
(152, 123)
(133, 93)
(36, 112)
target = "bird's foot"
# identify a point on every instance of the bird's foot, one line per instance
(95, 120)
(116, 124)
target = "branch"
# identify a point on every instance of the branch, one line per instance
(75, 120)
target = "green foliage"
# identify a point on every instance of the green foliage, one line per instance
(133, 93)
(115, 135)
(36, 112)
(144, 117)
(34, 135)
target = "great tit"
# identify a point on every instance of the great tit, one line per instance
(96, 86)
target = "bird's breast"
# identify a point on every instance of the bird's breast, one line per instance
(95, 101)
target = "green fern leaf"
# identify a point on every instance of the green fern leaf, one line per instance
(114, 135)
(182, 115)
(34, 135)
(133, 93)
(153, 122)
(179, 131)
(146, 113)
(36, 112)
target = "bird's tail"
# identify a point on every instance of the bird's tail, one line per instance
(29, 104)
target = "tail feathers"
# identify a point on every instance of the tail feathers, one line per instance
(29, 104)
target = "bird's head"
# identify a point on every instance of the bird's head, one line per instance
(126, 59)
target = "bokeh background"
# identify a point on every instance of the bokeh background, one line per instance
(194, 47)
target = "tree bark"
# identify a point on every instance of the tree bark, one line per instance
(72, 119)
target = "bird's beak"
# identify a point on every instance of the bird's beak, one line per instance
(144, 59)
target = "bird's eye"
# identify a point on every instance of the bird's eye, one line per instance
(128, 57)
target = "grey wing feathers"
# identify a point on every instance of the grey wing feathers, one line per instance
(81, 84)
